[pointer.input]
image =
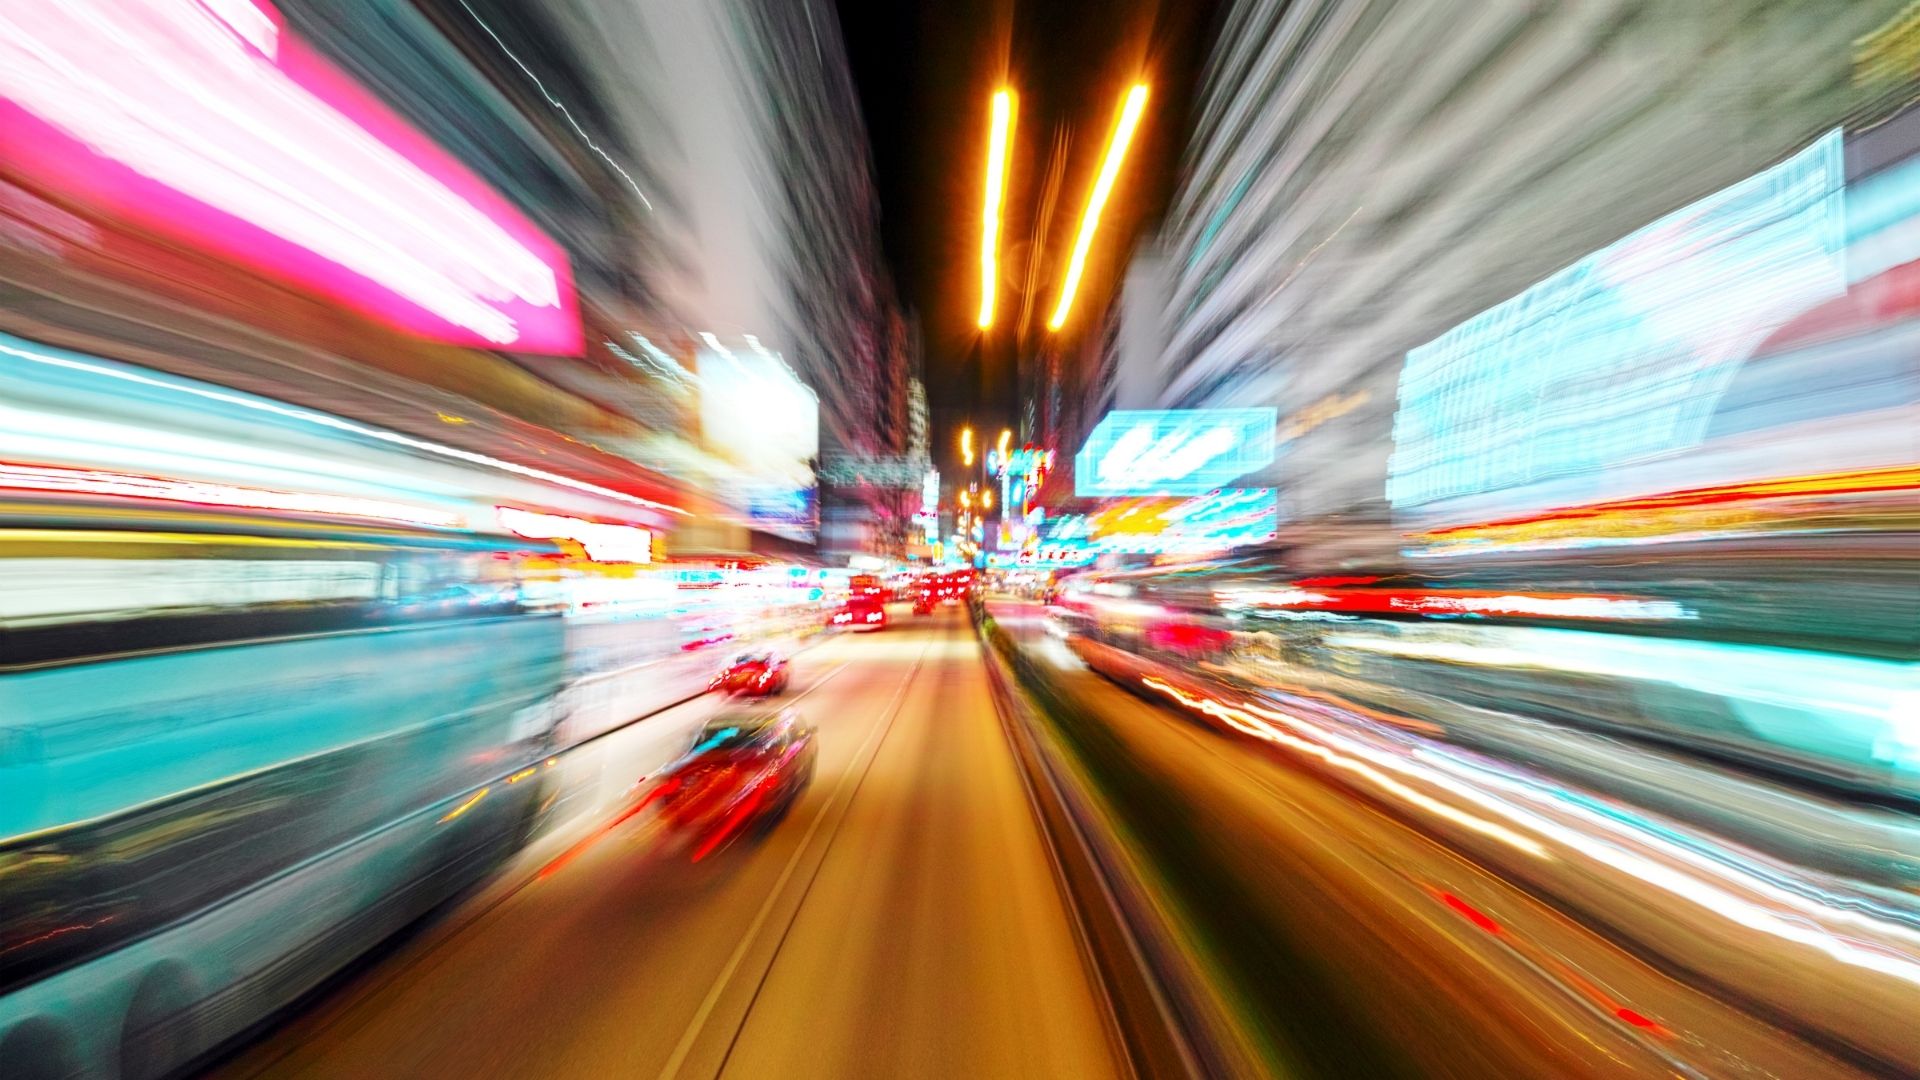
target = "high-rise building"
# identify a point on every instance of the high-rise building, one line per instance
(1363, 177)
(738, 121)
(299, 315)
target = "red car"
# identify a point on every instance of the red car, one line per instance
(752, 675)
(742, 771)
(858, 615)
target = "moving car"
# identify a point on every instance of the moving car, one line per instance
(860, 614)
(752, 674)
(868, 587)
(743, 770)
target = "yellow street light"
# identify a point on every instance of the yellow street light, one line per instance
(1134, 104)
(966, 445)
(986, 499)
(1002, 112)
(1006, 442)
(966, 500)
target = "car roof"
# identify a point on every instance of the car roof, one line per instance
(741, 721)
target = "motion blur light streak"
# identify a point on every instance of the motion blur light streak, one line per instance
(1245, 720)
(997, 139)
(1461, 602)
(28, 478)
(1473, 914)
(36, 354)
(1829, 694)
(1439, 599)
(1779, 506)
(1133, 105)
(471, 802)
(559, 106)
(1730, 892)
(603, 542)
(1734, 892)
(275, 159)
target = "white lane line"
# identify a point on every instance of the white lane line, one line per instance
(752, 934)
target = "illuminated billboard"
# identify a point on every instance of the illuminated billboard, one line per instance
(1623, 355)
(213, 126)
(782, 509)
(758, 416)
(755, 411)
(1174, 452)
(1217, 521)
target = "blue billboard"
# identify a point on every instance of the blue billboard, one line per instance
(1173, 452)
(1622, 356)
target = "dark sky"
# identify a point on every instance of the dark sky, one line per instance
(925, 71)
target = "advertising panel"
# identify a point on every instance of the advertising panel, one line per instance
(1173, 452)
(300, 173)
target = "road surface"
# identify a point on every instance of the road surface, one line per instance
(1339, 900)
(904, 920)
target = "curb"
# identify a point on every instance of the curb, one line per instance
(1123, 942)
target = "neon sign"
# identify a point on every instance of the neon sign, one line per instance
(212, 125)
(1174, 452)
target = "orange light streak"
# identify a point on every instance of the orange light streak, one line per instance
(1131, 109)
(1002, 111)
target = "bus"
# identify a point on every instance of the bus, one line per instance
(273, 684)
(230, 761)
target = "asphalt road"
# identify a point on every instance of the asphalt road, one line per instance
(904, 920)
(1357, 930)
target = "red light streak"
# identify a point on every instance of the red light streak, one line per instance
(1566, 974)
(579, 848)
(1865, 482)
(736, 818)
(58, 931)
(1474, 915)
(1639, 1021)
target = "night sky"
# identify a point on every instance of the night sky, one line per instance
(924, 72)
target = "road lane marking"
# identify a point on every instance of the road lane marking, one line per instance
(331, 1009)
(579, 848)
(747, 940)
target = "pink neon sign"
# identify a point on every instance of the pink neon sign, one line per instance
(206, 121)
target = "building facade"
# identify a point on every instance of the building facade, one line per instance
(738, 122)
(1364, 176)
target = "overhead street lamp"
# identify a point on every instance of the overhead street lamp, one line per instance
(997, 139)
(1132, 106)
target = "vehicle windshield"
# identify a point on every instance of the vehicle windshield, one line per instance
(732, 733)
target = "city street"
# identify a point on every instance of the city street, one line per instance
(903, 921)
(1063, 539)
